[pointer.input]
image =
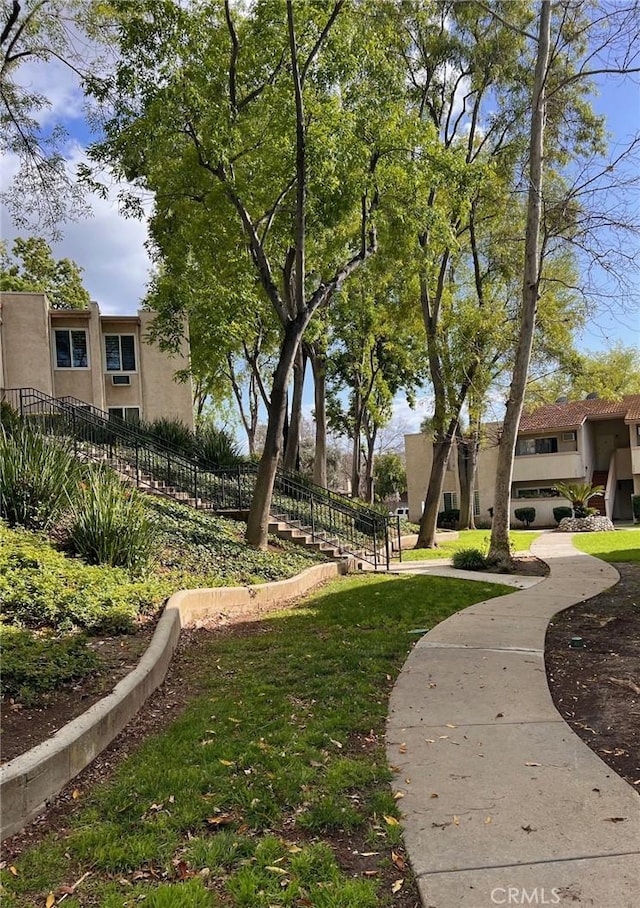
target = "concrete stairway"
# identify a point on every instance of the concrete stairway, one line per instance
(599, 478)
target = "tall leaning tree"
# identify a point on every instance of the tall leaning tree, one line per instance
(280, 115)
(574, 43)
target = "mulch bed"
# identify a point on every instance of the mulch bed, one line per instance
(596, 688)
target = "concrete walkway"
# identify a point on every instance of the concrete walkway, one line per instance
(503, 804)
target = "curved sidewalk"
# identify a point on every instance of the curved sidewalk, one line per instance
(503, 804)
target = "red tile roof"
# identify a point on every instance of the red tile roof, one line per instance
(572, 414)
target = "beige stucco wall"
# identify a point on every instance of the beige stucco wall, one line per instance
(161, 393)
(25, 341)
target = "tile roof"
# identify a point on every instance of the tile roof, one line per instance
(571, 415)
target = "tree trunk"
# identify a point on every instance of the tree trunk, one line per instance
(467, 463)
(258, 520)
(372, 434)
(319, 369)
(293, 438)
(428, 522)
(357, 447)
(499, 549)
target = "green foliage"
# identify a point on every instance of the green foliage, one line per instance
(469, 560)
(216, 447)
(38, 478)
(41, 588)
(173, 432)
(635, 504)
(389, 475)
(34, 665)
(525, 515)
(34, 269)
(610, 374)
(579, 494)
(448, 520)
(9, 418)
(109, 524)
(561, 512)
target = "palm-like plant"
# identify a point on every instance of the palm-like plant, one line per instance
(579, 494)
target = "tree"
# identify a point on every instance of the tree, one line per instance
(390, 476)
(586, 41)
(31, 267)
(278, 116)
(610, 374)
(44, 192)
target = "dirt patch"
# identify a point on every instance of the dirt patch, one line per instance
(596, 687)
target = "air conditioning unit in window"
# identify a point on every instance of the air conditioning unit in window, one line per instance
(568, 436)
(120, 379)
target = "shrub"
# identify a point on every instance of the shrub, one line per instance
(561, 512)
(216, 447)
(469, 560)
(172, 432)
(448, 520)
(109, 523)
(38, 478)
(635, 504)
(525, 515)
(9, 418)
(33, 665)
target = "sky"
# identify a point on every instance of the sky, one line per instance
(111, 248)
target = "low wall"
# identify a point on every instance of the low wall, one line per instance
(29, 781)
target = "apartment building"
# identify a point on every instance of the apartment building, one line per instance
(103, 360)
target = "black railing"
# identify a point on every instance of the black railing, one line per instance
(155, 465)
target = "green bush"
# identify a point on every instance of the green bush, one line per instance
(216, 447)
(109, 523)
(41, 588)
(448, 520)
(561, 512)
(469, 560)
(38, 478)
(34, 665)
(525, 515)
(172, 432)
(635, 504)
(9, 418)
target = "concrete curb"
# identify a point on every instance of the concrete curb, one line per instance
(31, 780)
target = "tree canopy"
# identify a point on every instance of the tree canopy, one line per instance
(31, 267)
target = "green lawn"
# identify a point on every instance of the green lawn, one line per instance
(470, 539)
(237, 802)
(623, 545)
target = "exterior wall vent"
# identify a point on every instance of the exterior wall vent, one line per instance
(120, 379)
(568, 436)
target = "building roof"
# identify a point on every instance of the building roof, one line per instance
(571, 415)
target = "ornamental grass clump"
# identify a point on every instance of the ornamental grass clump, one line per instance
(469, 560)
(108, 523)
(38, 478)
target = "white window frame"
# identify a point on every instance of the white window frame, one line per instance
(70, 368)
(120, 335)
(123, 417)
(476, 503)
(454, 501)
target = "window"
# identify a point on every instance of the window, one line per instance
(476, 503)
(71, 349)
(125, 414)
(536, 446)
(547, 492)
(120, 352)
(450, 501)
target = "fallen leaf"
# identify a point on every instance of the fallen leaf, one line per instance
(51, 900)
(294, 849)
(533, 764)
(227, 762)
(433, 795)
(398, 860)
(391, 821)
(499, 715)
(615, 819)
(430, 740)
(76, 794)
(371, 872)
(398, 795)
(456, 820)
(369, 854)
(397, 886)
(337, 743)
(449, 725)
(13, 870)
(487, 821)
(279, 870)
(527, 828)
(221, 820)
(403, 748)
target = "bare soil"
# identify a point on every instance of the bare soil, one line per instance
(596, 687)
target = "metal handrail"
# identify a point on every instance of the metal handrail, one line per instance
(328, 516)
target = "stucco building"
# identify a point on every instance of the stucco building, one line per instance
(592, 440)
(103, 360)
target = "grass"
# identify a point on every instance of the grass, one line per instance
(477, 539)
(239, 801)
(623, 545)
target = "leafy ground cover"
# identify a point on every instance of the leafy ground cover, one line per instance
(477, 539)
(48, 598)
(272, 788)
(623, 545)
